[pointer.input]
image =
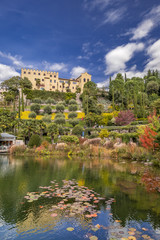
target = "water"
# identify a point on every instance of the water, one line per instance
(133, 213)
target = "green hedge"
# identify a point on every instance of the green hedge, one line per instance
(70, 139)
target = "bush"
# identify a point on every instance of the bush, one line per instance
(47, 119)
(50, 101)
(60, 108)
(37, 100)
(73, 121)
(35, 140)
(72, 102)
(72, 115)
(32, 115)
(60, 120)
(70, 139)
(77, 130)
(103, 133)
(73, 108)
(35, 108)
(47, 109)
(59, 115)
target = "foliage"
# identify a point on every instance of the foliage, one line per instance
(7, 120)
(156, 105)
(60, 120)
(59, 115)
(72, 102)
(147, 139)
(32, 115)
(37, 100)
(35, 108)
(50, 101)
(77, 130)
(47, 109)
(92, 119)
(46, 118)
(52, 131)
(103, 133)
(70, 139)
(60, 108)
(72, 115)
(152, 87)
(73, 121)
(35, 140)
(124, 118)
(72, 108)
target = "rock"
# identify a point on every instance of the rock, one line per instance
(119, 145)
(60, 146)
(94, 141)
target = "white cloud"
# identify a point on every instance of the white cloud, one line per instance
(16, 60)
(7, 72)
(55, 66)
(150, 21)
(154, 56)
(77, 71)
(117, 58)
(113, 16)
(101, 4)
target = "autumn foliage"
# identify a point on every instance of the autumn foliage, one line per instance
(124, 118)
(147, 139)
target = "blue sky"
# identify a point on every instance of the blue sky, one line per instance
(102, 37)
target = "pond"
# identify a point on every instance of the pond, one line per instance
(51, 198)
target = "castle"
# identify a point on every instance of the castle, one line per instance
(50, 81)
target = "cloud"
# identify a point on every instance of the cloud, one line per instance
(150, 21)
(77, 71)
(113, 16)
(16, 60)
(117, 58)
(92, 4)
(7, 72)
(154, 56)
(55, 66)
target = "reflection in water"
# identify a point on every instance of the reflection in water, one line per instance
(133, 208)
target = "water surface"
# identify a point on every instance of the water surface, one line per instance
(132, 213)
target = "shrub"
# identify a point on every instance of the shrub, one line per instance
(70, 139)
(60, 108)
(73, 108)
(47, 119)
(59, 115)
(72, 115)
(60, 120)
(37, 100)
(103, 133)
(124, 118)
(77, 130)
(73, 121)
(47, 109)
(32, 115)
(50, 101)
(35, 140)
(35, 108)
(72, 102)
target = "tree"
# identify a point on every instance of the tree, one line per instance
(72, 102)
(124, 118)
(152, 87)
(59, 121)
(35, 108)
(35, 140)
(77, 130)
(47, 118)
(156, 105)
(104, 133)
(72, 115)
(72, 108)
(60, 108)
(73, 121)
(52, 131)
(47, 109)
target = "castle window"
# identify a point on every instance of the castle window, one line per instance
(53, 87)
(29, 73)
(50, 80)
(55, 76)
(74, 83)
(24, 72)
(44, 74)
(39, 74)
(87, 80)
(72, 87)
(60, 86)
(84, 80)
(54, 81)
(42, 80)
(61, 81)
(50, 75)
(34, 73)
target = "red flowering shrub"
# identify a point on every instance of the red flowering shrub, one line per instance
(124, 118)
(147, 139)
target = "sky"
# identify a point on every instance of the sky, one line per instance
(101, 37)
